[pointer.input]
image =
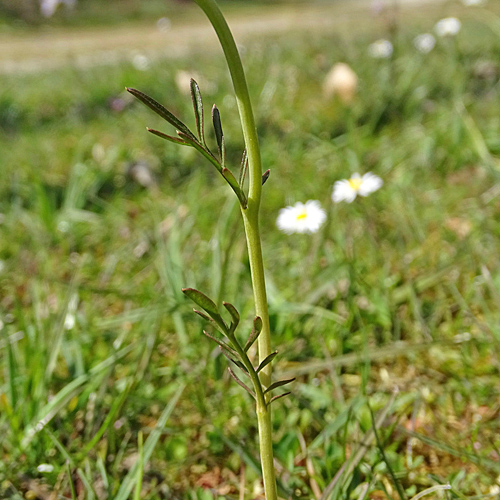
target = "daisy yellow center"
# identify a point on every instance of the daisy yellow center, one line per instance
(355, 184)
(302, 216)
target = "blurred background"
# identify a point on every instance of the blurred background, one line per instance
(102, 224)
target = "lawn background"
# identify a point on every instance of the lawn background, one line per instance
(398, 289)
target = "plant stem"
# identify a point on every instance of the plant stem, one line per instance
(266, 451)
(251, 221)
(251, 213)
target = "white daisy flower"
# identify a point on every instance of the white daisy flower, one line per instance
(424, 43)
(348, 189)
(449, 26)
(381, 49)
(301, 218)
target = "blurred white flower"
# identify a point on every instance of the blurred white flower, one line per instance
(301, 218)
(163, 24)
(424, 43)
(462, 337)
(70, 320)
(140, 62)
(63, 226)
(48, 7)
(381, 49)
(45, 468)
(449, 26)
(341, 80)
(469, 3)
(348, 189)
(494, 490)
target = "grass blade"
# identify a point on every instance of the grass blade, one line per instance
(117, 404)
(140, 468)
(47, 413)
(432, 489)
(70, 480)
(129, 481)
(348, 467)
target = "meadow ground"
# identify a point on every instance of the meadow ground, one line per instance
(102, 225)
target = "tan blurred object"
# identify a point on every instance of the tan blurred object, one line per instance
(341, 81)
(461, 227)
(183, 81)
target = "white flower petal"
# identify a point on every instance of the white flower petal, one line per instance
(301, 218)
(69, 321)
(470, 3)
(424, 43)
(342, 191)
(448, 26)
(348, 189)
(370, 184)
(45, 468)
(381, 49)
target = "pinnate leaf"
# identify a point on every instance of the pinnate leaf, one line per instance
(274, 398)
(278, 384)
(198, 109)
(219, 136)
(221, 344)
(265, 176)
(161, 111)
(266, 361)
(202, 300)
(257, 328)
(177, 140)
(233, 312)
(241, 383)
(237, 362)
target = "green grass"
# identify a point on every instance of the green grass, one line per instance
(399, 289)
(16, 16)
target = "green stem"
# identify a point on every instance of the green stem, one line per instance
(259, 392)
(251, 220)
(266, 451)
